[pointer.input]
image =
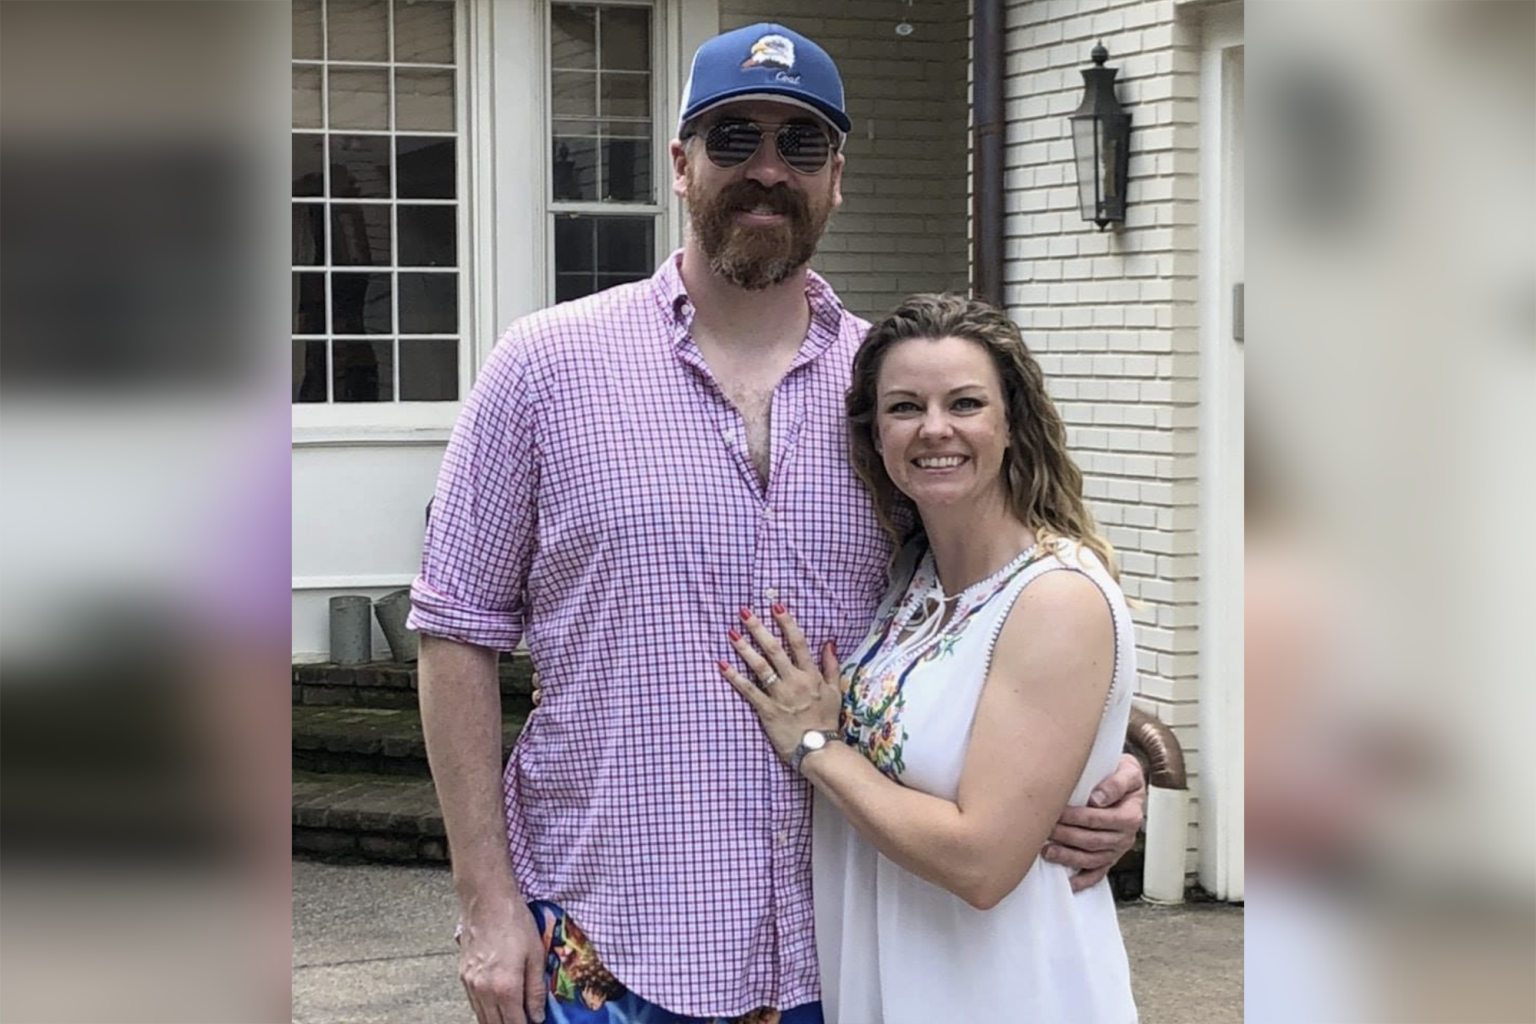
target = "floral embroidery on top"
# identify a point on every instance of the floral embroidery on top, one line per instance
(873, 698)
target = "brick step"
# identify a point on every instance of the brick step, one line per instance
(387, 684)
(382, 741)
(369, 817)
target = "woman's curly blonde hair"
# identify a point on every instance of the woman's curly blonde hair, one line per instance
(1043, 486)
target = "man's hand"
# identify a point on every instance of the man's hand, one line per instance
(1091, 839)
(501, 963)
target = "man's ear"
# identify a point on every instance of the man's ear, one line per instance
(679, 153)
(837, 180)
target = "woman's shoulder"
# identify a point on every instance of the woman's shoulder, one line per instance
(1070, 568)
(1065, 553)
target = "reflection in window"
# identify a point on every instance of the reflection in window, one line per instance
(597, 252)
(600, 91)
(601, 151)
(375, 187)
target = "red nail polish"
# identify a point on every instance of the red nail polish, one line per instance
(746, 614)
(778, 609)
(722, 667)
(735, 635)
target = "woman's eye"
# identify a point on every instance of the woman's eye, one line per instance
(969, 403)
(902, 407)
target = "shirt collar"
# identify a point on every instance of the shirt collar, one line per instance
(826, 309)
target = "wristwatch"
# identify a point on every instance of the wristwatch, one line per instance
(812, 741)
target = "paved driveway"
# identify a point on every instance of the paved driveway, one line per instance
(374, 944)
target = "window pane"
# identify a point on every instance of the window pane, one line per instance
(573, 36)
(309, 304)
(575, 250)
(626, 38)
(361, 304)
(359, 98)
(606, 281)
(306, 98)
(573, 171)
(374, 197)
(308, 234)
(364, 371)
(358, 29)
(596, 252)
(573, 286)
(429, 303)
(306, 30)
(625, 94)
(573, 93)
(627, 170)
(360, 235)
(429, 370)
(309, 374)
(428, 236)
(309, 165)
(624, 245)
(425, 167)
(424, 31)
(360, 166)
(424, 101)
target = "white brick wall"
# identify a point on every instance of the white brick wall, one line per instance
(1112, 314)
(902, 227)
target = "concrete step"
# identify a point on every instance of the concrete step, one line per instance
(382, 741)
(368, 817)
(387, 684)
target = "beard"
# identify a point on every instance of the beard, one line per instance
(755, 258)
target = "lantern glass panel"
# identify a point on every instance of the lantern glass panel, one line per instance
(1085, 149)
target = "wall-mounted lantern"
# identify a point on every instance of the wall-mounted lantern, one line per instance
(1101, 135)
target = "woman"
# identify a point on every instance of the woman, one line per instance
(991, 692)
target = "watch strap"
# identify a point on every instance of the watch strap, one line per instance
(801, 749)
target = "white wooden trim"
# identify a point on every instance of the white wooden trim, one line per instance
(510, 198)
(372, 581)
(693, 23)
(1221, 462)
(370, 437)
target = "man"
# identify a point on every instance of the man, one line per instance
(630, 470)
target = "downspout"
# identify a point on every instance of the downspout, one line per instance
(1167, 829)
(987, 136)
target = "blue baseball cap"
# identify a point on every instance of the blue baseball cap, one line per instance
(764, 61)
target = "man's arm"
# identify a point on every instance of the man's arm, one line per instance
(501, 957)
(1092, 839)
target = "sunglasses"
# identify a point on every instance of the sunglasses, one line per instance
(804, 145)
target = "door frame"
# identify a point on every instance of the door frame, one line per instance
(1221, 453)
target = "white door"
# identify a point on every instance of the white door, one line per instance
(1221, 453)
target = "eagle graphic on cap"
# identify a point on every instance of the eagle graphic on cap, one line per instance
(771, 52)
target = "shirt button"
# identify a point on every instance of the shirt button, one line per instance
(767, 512)
(771, 594)
(782, 836)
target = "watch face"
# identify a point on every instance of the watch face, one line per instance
(814, 740)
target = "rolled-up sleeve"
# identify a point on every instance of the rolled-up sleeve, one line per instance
(480, 534)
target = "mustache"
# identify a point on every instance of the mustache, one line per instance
(748, 193)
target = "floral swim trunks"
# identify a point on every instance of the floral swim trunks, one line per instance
(581, 991)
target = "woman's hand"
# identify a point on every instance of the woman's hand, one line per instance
(790, 694)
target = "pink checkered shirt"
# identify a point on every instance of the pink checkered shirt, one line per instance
(597, 501)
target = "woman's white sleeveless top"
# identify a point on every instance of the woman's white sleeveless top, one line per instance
(895, 949)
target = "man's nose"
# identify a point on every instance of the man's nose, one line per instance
(766, 166)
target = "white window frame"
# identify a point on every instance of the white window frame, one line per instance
(658, 209)
(412, 421)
